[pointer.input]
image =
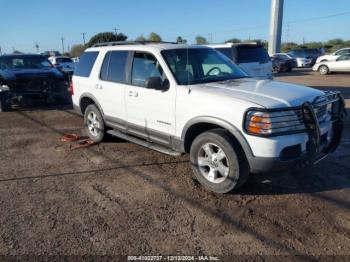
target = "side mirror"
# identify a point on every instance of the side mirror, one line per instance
(155, 82)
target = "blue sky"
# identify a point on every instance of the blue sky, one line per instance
(25, 22)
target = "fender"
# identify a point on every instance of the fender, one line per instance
(224, 124)
(93, 98)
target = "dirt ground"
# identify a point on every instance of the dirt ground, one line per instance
(118, 198)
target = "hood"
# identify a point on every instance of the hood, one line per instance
(266, 93)
(30, 73)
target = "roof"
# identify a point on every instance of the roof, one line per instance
(235, 44)
(20, 55)
(144, 46)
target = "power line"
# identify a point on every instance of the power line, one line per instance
(319, 17)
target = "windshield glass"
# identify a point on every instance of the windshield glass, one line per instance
(24, 62)
(201, 65)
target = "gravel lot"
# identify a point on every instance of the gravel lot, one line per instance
(118, 198)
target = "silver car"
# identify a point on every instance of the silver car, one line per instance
(341, 64)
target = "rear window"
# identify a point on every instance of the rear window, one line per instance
(85, 64)
(227, 51)
(64, 60)
(251, 54)
(113, 67)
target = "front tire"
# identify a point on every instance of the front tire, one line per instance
(94, 124)
(323, 70)
(218, 161)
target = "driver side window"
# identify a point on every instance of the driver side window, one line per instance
(344, 57)
(145, 66)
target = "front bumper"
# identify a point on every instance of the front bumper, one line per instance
(319, 145)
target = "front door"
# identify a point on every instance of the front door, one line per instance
(150, 113)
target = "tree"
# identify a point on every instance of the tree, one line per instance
(233, 40)
(154, 37)
(200, 40)
(140, 38)
(336, 42)
(180, 40)
(106, 37)
(77, 50)
(121, 37)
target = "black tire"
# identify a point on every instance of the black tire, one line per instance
(276, 69)
(323, 70)
(238, 168)
(96, 133)
(5, 105)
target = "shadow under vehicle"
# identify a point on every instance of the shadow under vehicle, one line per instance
(27, 79)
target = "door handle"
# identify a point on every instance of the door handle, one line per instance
(98, 86)
(134, 94)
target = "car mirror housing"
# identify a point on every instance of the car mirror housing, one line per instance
(157, 83)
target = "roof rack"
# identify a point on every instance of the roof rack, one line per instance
(131, 43)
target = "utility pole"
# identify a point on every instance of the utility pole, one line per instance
(62, 39)
(83, 34)
(287, 33)
(37, 47)
(275, 26)
(0, 51)
(115, 30)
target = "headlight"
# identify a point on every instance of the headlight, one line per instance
(272, 123)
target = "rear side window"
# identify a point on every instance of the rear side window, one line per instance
(113, 67)
(251, 54)
(86, 62)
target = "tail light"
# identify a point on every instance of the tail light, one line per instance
(71, 88)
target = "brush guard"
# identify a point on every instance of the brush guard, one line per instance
(315, 152)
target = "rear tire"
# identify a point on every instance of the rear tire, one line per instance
(323, 70)
(218, 162)
(94, 123)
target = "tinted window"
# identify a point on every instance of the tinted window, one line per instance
(85, 64)
(24, 62)
(250, 54)
(200, 65)
(116, 68)
(343, 52)
(227, 51)
(104, 68)
(144, 66)
(344, 57)
(64, 60)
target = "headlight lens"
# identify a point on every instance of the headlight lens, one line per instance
(272, 123)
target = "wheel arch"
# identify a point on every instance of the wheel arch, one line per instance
(87, 99)
(198, 125)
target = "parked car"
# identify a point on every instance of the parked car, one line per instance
(63, 63)
(282, 63)
(333, 56)
(252, 57)
(25, 76)
(179, 99)
(51, 53)
(341, 64)
(306, 57)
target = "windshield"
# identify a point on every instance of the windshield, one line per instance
(200, 65)
(24, 62)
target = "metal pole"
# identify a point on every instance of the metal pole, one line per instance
(275, 26)
(62, 39)
(83, 37)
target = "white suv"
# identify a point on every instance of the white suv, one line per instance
(192, 99)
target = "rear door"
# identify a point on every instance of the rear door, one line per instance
(150, 112)
(111, 86)
(342, 64)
